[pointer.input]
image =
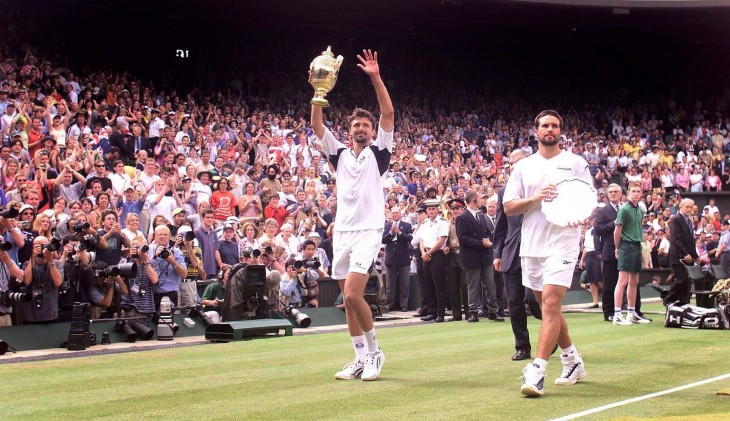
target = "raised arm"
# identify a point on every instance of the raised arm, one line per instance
(369, 65)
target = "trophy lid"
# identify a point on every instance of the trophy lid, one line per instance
(328, 51)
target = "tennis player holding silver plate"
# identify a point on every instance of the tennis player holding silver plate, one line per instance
(554, 183)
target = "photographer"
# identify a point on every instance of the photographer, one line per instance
(169, 265)
(78, 276)
(101, 292)
(186, 242)
(8, 270)
(308, 273)
(139, 299)
(214, 295)
(10, 233)
(42, 277)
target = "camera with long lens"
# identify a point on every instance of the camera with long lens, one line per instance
(198, 312)
(80, 227)
(297, 317)
(312, 263)
(7, 298)
(88, 243)
(125, 270)
(133, 329)
(6, 245)
(10, 213)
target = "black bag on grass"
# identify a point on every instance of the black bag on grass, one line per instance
(688, 316)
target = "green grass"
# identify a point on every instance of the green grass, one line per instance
(432, 372)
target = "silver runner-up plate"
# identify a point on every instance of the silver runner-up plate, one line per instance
(575, 201)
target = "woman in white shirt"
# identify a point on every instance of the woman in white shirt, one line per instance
(132, 228)
(288, 240)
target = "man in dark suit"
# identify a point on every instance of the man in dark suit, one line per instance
(475, 242)
(397, 236)
(681, 247)
(507, 236)
(605, 224)
(136, 142)
(455, 274)
(490, 214)
(119, 139)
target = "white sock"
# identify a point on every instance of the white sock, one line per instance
(358, 343)
(370, 338)
(630, 312)
(569, 352)
(541, 363)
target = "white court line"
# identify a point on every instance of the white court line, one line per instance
(641, 398)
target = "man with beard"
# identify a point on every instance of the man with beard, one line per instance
(358, 230)
(548, 252)
(269, 186)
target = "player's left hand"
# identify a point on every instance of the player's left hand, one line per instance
(369, 63)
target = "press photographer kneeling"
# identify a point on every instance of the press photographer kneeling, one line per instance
(108, 281)
(8, 272)
(299, 287)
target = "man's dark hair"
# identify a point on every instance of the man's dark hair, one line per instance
(117, 162)
(548, 113)
(274, 167)
(360, 113)
(207, 212)
(108, 212)
(308, 243)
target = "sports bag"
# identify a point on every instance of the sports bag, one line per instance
(688, 316)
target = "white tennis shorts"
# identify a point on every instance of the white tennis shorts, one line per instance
(354, 251)
(551, 270)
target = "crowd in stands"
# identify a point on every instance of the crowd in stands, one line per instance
(244, 171)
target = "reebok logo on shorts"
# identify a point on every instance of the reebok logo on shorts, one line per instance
(565, 262)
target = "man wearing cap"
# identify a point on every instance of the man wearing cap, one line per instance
(120, 138)
(178, 220)
(201, 186)
(81, 126)
(456, 274)
(433, 234)
(397, 236)
(193, 256)
(227, 246)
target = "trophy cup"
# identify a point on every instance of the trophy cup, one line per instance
(323, 75)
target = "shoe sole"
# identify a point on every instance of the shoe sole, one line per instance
(530, 390)
(377, 374)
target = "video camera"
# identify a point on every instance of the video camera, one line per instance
(79, 335)
(246, 293)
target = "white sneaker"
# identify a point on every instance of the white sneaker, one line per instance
(573, 370)
(373, 364)
(640, 320)
(533, 380)
(351, 371)
(619, 320)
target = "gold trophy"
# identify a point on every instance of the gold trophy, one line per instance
(323, 75)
